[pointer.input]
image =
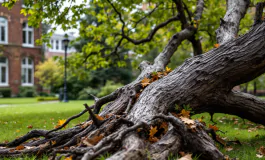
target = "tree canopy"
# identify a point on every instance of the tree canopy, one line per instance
(127, 27)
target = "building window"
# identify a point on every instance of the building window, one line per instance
(63, 48)
(3, 71)
(1, 1)
(28, 39)
(52, 44)
(27, 72)
(3, 30)
(57, 44)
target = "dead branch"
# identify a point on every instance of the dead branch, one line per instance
(103, 100)
(68, 120)
(96, 121)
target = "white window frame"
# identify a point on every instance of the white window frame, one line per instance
(53, 45)
(27, 29)
(27, 66)
(6, 66)
(6, 29)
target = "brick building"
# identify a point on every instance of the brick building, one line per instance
(19, 52)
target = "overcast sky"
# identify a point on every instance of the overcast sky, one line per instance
(61, 31)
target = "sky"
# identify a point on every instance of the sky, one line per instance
(76, 31)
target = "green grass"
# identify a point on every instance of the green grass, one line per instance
(15, 119)
(250, 135)
(18, 100)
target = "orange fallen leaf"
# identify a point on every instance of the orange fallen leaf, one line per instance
(30, 127)
(53, 142)
(92, 141)
(164, 125)
(145, 82)
(20, 147)
(61, 122)
(99, 117)
(152, 131)
(185, 113)
(154, 76)
(216, 45)
(168, 70)
(68, 158)
(213, 127)
(153, 139)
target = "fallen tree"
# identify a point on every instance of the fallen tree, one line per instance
(128, 126)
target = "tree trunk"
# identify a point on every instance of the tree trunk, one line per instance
(127, 125)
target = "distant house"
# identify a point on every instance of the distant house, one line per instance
(57, 46)
(19, 52)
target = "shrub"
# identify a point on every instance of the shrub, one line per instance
(43, 94)
(47, 98)
(27, 92)
(5, 92)
(85, 94)
(109, 88)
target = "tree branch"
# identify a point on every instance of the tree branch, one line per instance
(152, 32)
(163, 58)
(67, 121)
(150, 35)
(103, 100)
(199, 10)
(259, 12)
(148, 14)
(96, 121)
(229, 25)
(181, 13)
(237, 103)
(196, 43)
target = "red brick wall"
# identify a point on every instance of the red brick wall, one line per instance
(14, 50)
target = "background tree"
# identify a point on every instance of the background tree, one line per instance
(49, 73)
(136, 115)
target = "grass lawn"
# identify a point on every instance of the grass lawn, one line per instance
(18, 100)
(250, 135)
(15, 119)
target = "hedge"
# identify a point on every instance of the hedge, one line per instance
(5, 92)
(47, 98)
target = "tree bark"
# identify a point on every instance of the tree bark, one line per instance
(203, 82)
(229, 25)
